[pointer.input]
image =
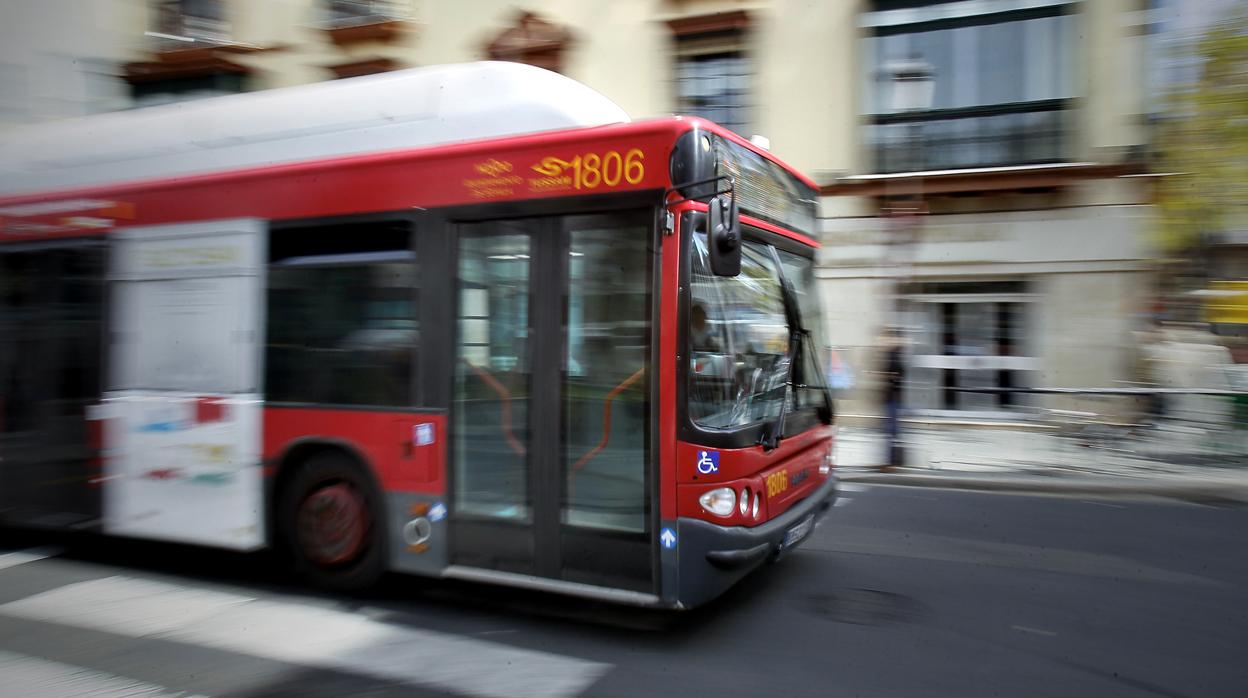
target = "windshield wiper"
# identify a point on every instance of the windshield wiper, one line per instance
(800, 342)
(774, 431)
(826, 415)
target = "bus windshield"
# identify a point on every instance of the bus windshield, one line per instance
(740, 339)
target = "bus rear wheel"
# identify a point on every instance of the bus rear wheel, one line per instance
(332, 525)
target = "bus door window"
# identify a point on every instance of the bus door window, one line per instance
(605, 383)
(739, 360)
(493, 374)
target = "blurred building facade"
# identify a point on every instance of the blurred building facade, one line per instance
(1004, 226)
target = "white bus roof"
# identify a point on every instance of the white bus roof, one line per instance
(404, 109)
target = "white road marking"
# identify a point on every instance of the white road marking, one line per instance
(22, 675)
(842, 501)
(1033, 631)
(294, 633)
(853, 487)
(21, 557)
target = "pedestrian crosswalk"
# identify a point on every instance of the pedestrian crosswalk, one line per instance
(283, 630)
(22, 675)
(21, 557)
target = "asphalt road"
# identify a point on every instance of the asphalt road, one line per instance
(901, 592)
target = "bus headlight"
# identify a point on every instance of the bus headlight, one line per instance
(745, 501)
(757, 503)
(719, 501)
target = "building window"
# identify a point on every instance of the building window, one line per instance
(969, 345)
(180, 23)
(192, 56)
(1003, 83)
(712, 70)
(184, 88)
(715, 87)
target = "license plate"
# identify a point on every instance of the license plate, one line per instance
(799, 531)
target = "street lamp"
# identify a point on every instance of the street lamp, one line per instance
(913, 84)
(913, 87)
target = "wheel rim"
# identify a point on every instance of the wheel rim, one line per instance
(333, 524)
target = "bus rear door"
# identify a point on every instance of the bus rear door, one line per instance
(51, 330)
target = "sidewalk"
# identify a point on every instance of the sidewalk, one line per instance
(1172, 462)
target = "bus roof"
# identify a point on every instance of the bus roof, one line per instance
(400, 110)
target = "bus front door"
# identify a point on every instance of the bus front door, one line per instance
(551, 471)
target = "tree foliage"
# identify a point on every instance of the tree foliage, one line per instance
(1204, 139)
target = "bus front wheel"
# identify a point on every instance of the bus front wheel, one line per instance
(331, 523)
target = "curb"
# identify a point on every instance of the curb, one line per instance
(1196, 492)
(872, 422)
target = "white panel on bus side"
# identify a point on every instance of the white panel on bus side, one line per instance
(183, 411)
(184, 468)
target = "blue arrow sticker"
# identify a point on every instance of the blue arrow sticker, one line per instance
(708, 462)
(667, 538)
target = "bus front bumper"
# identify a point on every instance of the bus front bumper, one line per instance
(714, 558)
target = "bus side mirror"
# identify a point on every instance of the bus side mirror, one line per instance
(723, 237)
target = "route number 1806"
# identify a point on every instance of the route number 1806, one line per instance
(777, 482)
(592, 170)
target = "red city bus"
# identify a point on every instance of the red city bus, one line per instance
(461, 321)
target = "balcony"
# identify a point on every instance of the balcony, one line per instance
(188, 24)
(357, 21)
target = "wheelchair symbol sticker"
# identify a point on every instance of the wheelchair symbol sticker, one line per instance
(708, 462)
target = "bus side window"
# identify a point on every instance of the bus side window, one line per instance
(343, 323)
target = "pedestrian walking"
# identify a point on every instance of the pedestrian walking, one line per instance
(893, 379)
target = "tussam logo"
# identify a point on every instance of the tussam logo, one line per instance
(492, 167)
